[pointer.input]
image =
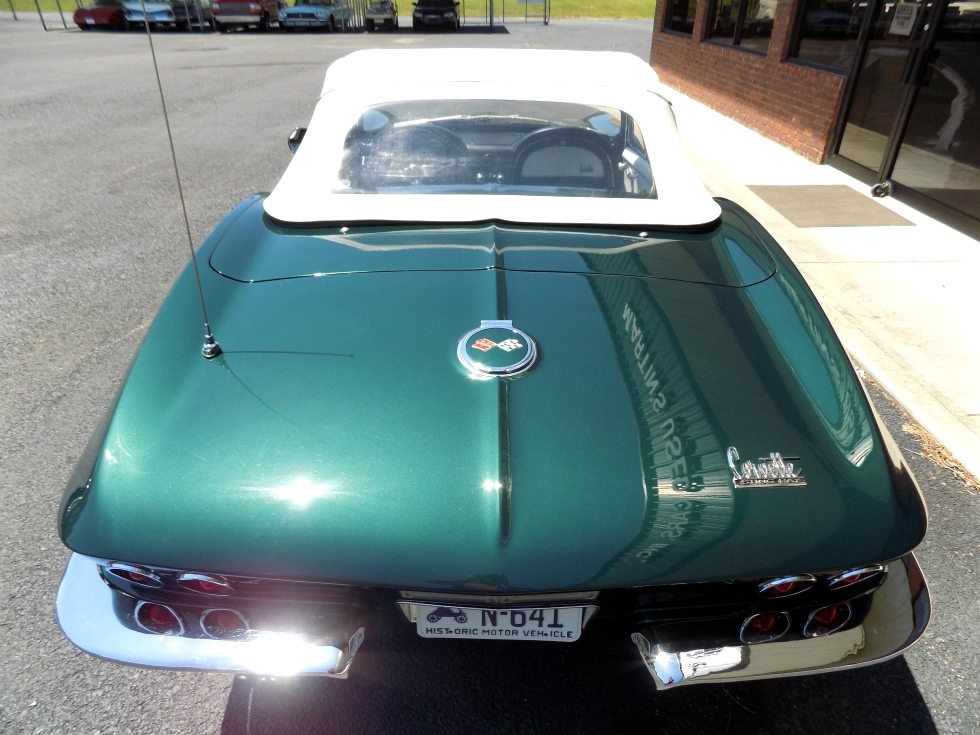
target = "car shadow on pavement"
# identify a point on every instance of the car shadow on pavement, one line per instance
(415, 686)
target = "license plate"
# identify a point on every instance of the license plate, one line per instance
(512, 624)
(90, 21)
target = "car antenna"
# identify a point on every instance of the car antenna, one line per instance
(211, 347)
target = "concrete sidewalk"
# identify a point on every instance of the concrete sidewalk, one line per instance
(904, 298)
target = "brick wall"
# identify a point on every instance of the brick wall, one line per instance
(789, 103)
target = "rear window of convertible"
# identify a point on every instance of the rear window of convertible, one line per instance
(496, 146)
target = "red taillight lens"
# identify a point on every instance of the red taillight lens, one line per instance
(827, 620)
(136, 575)
(828, 615)
(764, 622)
(853, 576)
(764, 627)
(160, 619)
(786, 586)
(224, 624)
(205, 584)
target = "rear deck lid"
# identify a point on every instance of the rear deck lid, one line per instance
(256, 249)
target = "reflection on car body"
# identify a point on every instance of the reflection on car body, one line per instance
(549, 384)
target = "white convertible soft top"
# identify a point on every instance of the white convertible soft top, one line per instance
(310, 191)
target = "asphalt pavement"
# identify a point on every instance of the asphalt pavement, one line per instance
(91, 238)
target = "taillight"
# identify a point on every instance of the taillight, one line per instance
(827, 620)
(853, 576)
(764, 627)
(205, 584)
(160, 619)
(224, 624)
(137, 575)
(786, 586)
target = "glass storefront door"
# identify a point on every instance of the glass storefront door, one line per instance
(913, 116)
(939, 155)
(895, 48)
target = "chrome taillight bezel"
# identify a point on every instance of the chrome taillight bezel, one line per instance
(207, 629)
(185, 580)
(808, 631)
(143, 605)
(119, 570)
(767, 589)
(859, 574)
(751, 636)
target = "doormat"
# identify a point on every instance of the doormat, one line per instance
(827, 206)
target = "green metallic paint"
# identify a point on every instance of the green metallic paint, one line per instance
(339, 438)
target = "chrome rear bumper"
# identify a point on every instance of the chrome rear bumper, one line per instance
(899, 614)
(90, 619)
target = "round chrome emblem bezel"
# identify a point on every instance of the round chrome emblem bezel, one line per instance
(526, 354)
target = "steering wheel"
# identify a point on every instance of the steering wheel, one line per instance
(411, 155)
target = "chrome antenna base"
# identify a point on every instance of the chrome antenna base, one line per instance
(211, 348)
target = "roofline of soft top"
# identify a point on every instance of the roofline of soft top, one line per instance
(574, 67)
(310, 192)
(349, 224)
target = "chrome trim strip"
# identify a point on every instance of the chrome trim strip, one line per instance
(899, 614)
(531, 599)
(245, 20)
(89, 619)
(225, 588)
(835, 582)
(766, 589)
(113, 567)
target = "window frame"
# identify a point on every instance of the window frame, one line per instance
(738, 32)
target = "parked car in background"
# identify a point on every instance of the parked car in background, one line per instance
(189, 14)
(489, 363)
(258, 14)
(435, 14)
(100, 14)
(383, 14)
(324, 15)
(157, 14)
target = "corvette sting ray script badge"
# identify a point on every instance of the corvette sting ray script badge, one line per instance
(771, 471)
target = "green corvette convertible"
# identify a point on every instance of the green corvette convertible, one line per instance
(489, 363)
